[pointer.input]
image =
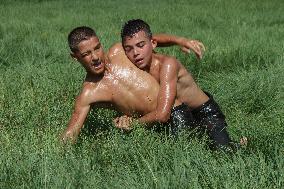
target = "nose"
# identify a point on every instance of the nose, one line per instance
(94, 56)
(136, 52)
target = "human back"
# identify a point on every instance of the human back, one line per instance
(188, 91)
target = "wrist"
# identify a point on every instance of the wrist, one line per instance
(181, 41)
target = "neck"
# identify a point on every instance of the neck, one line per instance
(148, 67)
(94, 77)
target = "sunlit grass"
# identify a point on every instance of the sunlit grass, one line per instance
(242, 68)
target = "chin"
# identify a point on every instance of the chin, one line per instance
(100, 71)
(140, 65)
(97, 72)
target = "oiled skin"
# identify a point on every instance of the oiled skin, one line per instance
(176, 83)
(112, 81)
(120, 85)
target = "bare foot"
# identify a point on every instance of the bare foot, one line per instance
(244, 141)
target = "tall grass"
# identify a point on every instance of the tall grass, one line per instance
(242, 67)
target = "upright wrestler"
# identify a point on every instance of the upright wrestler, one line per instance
(111, 80)
(180, 99)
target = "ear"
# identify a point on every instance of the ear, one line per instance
(154, 43)
(73, 55)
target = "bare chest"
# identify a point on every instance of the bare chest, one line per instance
(130, 92)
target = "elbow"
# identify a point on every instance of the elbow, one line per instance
(163, 117)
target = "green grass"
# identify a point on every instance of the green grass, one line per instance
(242, 67)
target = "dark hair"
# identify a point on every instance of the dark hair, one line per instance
(131, 27)
(79, 34)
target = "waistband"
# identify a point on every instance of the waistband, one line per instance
(180, 107)
(205, 104)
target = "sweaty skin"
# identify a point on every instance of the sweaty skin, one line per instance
(176, 83)
(112, 81)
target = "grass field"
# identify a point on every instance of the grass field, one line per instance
(242, 67)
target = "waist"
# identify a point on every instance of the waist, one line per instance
(195, 109)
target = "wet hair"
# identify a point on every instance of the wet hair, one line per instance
(134, 26)
(79, 34)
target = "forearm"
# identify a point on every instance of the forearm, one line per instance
(187, 45)
(165, 40)
(154, 116)
(148, 118)
(73, 129)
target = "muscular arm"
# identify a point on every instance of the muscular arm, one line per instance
(165, 40)
(81, 110)
(167, 93)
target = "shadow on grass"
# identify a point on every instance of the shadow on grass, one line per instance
(99, 122)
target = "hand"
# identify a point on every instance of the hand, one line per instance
(67, 137)
(194, 45)
(123, 122)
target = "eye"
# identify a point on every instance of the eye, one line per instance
(98, 47)
(141, 44)
(127, 49)
(86, 54)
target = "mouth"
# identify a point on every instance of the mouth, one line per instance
(139, 61)
(97, 64)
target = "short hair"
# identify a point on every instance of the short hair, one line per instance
(134, 26)
(79, 34)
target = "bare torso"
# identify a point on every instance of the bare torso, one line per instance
(187, 90)
(129, 89)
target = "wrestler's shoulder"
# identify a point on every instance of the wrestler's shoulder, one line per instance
(89, 88)
(115, 49)
(93, 92)
(166, 60)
